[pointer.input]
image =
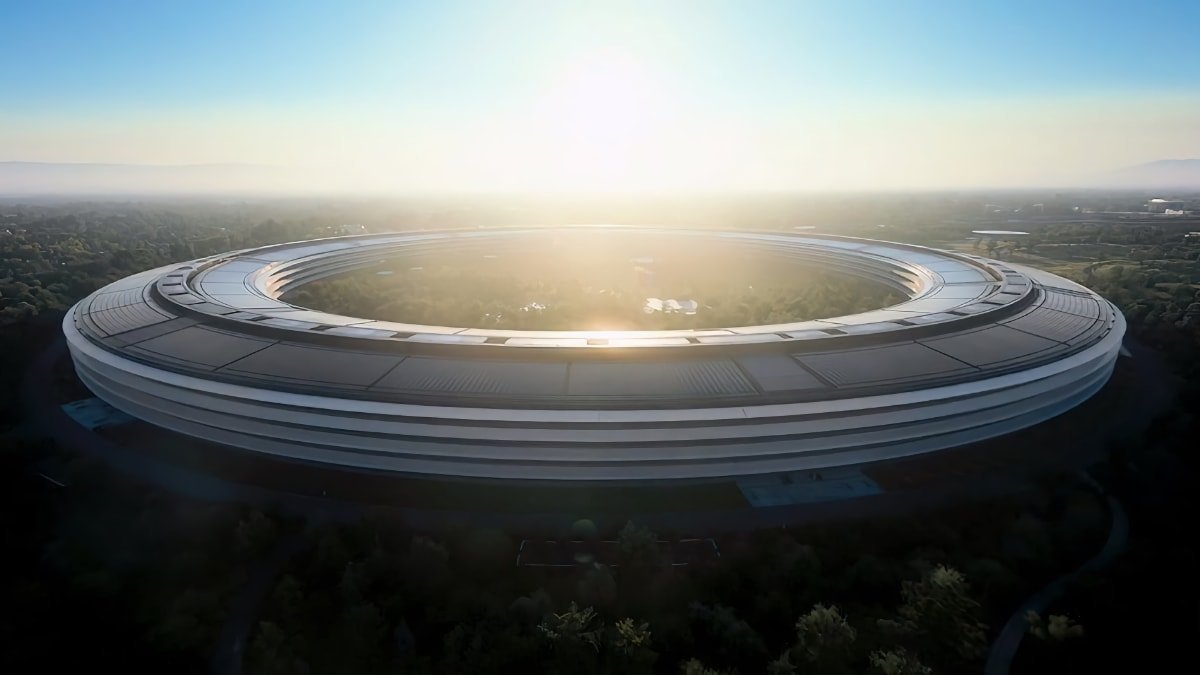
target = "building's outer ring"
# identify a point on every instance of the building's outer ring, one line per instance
(981, 348)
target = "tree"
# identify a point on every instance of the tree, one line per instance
(575, 638)
(631, 636)
(403, 640)
(529, 609)
(729, 638)
(630, 641)
(426, 568)
(271, 652)
(898, 662)
(597, 587)
(782, 665)
(483, 553)
(824, 644)
(573, 627)
(288, 596)
(332, 556)
(1057, 629)
(1052, 649)
(825, 639)
(695, 667)
(360, 634)
(637, 547)
(190, 621)
(940, 620)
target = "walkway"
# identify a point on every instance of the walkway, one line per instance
(1004, 648)
(1153, 381)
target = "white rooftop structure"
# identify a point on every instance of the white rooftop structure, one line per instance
(978, 348)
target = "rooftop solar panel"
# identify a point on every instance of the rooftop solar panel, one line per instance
(881, 364)
(203, 346)
(991, 345)
(320, 366)
(778, 372)
(678, 378)
(1072, 304)
(418, 373)
(1053, 324)
(126, 318)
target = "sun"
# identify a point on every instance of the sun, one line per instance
(606, 96)
(601, 122)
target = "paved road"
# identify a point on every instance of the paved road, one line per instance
(1004, 648)
(1154, 382)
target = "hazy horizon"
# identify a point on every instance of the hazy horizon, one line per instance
(576, 98)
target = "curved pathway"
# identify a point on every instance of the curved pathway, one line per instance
(1004, 648)
(1154, 382)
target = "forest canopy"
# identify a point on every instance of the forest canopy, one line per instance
(569, 293)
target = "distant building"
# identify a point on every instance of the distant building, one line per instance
(1158, 205)
(670, 306)
(643, 272)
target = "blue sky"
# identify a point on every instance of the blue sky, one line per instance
(773, 88)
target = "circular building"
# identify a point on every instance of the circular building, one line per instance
(979, 348)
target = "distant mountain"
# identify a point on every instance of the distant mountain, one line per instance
(41, 178)
(1164, 174)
